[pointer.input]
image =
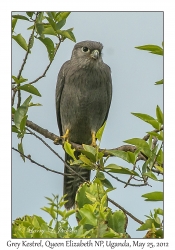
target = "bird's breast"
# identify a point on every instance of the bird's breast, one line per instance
(83, 105)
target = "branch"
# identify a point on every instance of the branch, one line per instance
(146, 137)
(30, 159)
(78, 147)
(48, 66)
(134, 185)
(25, 59)
(65, 163)
(126, 212)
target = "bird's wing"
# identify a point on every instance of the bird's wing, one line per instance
(108, 88)
(59, 89)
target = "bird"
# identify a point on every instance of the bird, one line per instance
(83, 98)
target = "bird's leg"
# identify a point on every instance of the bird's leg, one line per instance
(62, 138)
(93, 139)
(66, 135)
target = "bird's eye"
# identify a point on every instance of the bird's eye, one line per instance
(85, 49)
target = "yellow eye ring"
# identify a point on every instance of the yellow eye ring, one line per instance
(85, 49)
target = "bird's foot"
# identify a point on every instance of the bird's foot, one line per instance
(57, 141)
(62, 139)
(93, 139)
(65, 136)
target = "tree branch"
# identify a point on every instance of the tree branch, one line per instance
(134, 185)
(48, 66)
(25, 59)
(38, 164)
(125, 211)
(65, 163)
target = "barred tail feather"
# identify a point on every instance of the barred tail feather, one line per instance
(72, 182)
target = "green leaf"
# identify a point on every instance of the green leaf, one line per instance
(14, 129)
(85, 160)
(39, 28)
(30, 88)
(91, 197)
(154, 49)
(100, 176)
(151, 175)
(100, 132)
(23, 123)
(40, 17)
(159, 168)
(62, 15)
(160, 157)
(117, 221)
(31, 104)
(141, 144)
(121, 170)
(20, 80)
(156, 134)
(147, 225)
(13, 110)
(21, 41)
(49, 45)
(30, 13)
(159, 211)
(149, 119)
(51, 14)
(159, 82)
(159, 233)
(49, 31)
(159, 136)
(20, 17)
(14, 21)
(153, 196)
(107, 183)
(143, 117)
(69, 213)
(89, 149)
(67, 34)
(60, 24)
(51, 22)
(20, 149)
(126, 156)
(88, 216)
(159, 114)
(69, 150)
(21, 112)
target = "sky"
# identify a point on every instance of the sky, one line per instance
(134, 73)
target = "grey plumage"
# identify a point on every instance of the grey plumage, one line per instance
(83, 97)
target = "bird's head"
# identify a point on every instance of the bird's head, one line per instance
(87, 53)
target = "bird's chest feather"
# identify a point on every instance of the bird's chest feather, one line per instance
(84, 103)
(85, 88)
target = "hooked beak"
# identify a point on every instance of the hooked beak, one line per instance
(95, 54)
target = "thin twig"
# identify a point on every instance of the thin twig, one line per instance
(131, 177)
(48, 66)
(125, 211)
(146, 137)
(13, 96)
(65, 163)
(25, 59)
(134, 185)
(28, 48)
(29, 158)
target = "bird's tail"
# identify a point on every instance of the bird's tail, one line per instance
(72, 182)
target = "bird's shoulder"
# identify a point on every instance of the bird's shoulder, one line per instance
(64, 68)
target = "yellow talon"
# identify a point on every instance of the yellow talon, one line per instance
(57, 141)
(66, 135)
(61, 139)
(93, 139)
